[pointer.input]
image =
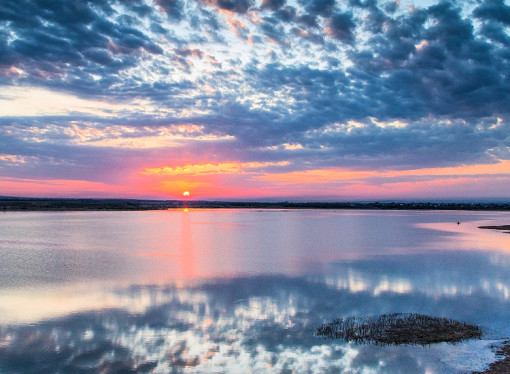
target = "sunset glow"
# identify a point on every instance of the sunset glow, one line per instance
(255, 100)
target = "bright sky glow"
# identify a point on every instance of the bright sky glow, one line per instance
(33, 101)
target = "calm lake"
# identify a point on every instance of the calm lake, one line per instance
(242, 291)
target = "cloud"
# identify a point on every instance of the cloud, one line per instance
(495, 10)
(187, 52)
(286, 13)
(52, 42)
(275, 33)
(173, 8)
(319, 7)
(273, 4)
(341, 27)
(236, 6)
(208, 169)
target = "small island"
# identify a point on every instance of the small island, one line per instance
(399, 328)
(504, 228)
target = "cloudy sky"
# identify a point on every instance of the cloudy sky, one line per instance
(285, 99)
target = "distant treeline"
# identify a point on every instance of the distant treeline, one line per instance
(22, 204)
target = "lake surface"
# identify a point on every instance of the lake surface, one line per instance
(214, 291)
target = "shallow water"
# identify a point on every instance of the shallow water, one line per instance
(242, 290)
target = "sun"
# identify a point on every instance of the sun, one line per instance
(185, 194)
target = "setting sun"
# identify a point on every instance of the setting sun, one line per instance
(185, 194)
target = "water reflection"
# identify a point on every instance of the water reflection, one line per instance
(187, 250)
(433, 273)
(466, 235)
(241, 291)
(266, 323)
(152, 247)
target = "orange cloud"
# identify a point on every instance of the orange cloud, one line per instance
(325, 175)
(314, 176)
(449, 182)
(502, 167)
(13, 159)
(210, 168)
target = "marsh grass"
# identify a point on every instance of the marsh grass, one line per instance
(399, 328)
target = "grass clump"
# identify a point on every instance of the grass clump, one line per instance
(399, 328)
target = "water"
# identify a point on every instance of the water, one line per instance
(213, 291)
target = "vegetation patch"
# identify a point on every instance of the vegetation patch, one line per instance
(399, 328)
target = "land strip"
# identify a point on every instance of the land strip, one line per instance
(504, 228)
(501, 366)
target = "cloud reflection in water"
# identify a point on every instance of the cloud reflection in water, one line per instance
(266, 323)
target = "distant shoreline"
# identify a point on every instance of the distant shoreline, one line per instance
(60, 204)
(503, 228)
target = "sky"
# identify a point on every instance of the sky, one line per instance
(250, 99)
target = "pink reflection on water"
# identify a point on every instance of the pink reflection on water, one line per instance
(468, 235)
(187, 253)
